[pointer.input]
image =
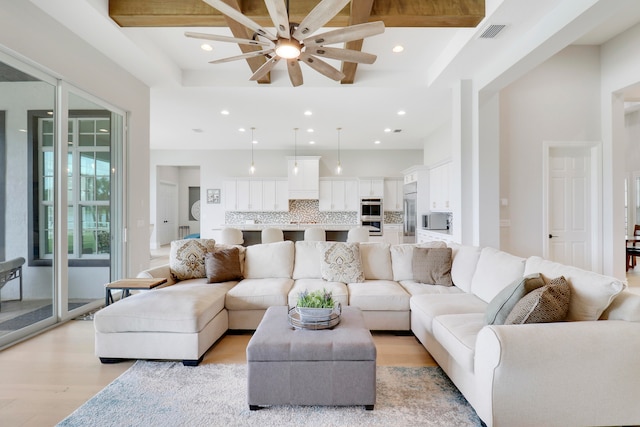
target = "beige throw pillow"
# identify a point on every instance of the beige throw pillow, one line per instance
(223, 265)
(341, 262)
(186, 258)
(432, 266)
(501, 305)
(549, 303)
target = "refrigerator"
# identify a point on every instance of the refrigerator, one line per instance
(410, 212)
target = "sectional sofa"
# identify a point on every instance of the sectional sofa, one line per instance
(581, 371)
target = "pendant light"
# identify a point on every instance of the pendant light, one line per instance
(252, 169)
(339, 166)
(295, 151)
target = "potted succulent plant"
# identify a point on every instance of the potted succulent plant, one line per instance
(315, 306)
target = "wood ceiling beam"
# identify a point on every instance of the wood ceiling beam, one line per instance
(360, 14)
(394, 13)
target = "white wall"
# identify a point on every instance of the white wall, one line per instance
(217, 165)
(437, 145)
(28, 33)
(557, 101)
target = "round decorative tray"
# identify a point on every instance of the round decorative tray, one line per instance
(298, 323)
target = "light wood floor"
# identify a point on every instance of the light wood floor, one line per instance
(44, 379)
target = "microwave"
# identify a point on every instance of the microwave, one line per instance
(435, 221)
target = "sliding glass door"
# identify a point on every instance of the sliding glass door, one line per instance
(61, 200)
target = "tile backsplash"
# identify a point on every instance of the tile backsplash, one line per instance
(304, 211)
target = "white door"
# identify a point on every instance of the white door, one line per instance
(167, 210)
(570, 205)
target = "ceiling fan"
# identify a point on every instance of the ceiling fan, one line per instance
(294, 42)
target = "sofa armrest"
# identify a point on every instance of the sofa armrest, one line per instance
(162, 271)
(569, 373)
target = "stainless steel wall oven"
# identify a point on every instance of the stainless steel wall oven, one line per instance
(371, 215)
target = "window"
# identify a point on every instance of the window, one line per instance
(88, 187)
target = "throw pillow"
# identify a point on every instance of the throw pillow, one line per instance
(502, 304)
(186, 259)
(549, 303)
(341, 262)
(432, 266)
(223, 265)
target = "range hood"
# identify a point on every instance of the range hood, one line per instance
(305, 185)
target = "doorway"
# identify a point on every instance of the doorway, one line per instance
(571, 201)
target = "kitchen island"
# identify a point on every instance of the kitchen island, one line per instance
(294, 232)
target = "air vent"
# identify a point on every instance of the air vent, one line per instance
(492, 31)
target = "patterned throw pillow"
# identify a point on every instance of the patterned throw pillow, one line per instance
(549, 303)
(223, 265)
(432, 266)
(186, 259)
(341, 262)
(502, 304)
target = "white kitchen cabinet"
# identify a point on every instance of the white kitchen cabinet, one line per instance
(440, 188)
(306, 183)
(243, 197)
(371, 187)
(275, 195)
(229, 195)
(393, 195)
(338, 195)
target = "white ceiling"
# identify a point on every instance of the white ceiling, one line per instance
(188, 93)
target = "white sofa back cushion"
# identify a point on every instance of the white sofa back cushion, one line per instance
(376, 261)
(495, 270)
(591, 293)
(308, 260)
(463, 264)
(269, 260)
(401, 256)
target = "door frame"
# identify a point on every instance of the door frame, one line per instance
(595, 226)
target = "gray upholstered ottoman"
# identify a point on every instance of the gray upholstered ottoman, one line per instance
(306, 367)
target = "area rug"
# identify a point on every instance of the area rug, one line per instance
(170, 394)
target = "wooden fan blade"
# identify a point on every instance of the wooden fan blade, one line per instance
(278, 12)
(346, 55)
(295, 73)
(320, 15)
(227, 39)
(265, 68)
(237, 16)
(243, 56)
(322, 67)
(347, 34)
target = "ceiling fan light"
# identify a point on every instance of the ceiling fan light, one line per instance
(288, 49)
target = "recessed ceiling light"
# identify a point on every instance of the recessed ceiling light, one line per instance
(308, 113)
(387, 130)
(224, 112)
(310, 130)
(255, 141)
(241, 130)
(376, 142)
(398, 48)
(311, 142)
(402, 113)
(206, 47)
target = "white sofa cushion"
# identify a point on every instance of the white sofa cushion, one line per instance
(591, 293)
(269, 260)
(457, 333)
(258, 294)
(495, 271)
(376, 261)
(427, 307)
(337, 289)
(185, 307)
(416, 288)
(378, 295)
(463, 264)
(308, 259)
(402, 256)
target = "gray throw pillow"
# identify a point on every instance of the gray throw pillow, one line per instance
(549, 303)
(501, 305)
(432, 266)
(223, 265)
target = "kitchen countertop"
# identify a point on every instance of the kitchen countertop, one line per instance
(291, 227)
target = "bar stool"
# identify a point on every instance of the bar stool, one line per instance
(271, 235)
(315, 234)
